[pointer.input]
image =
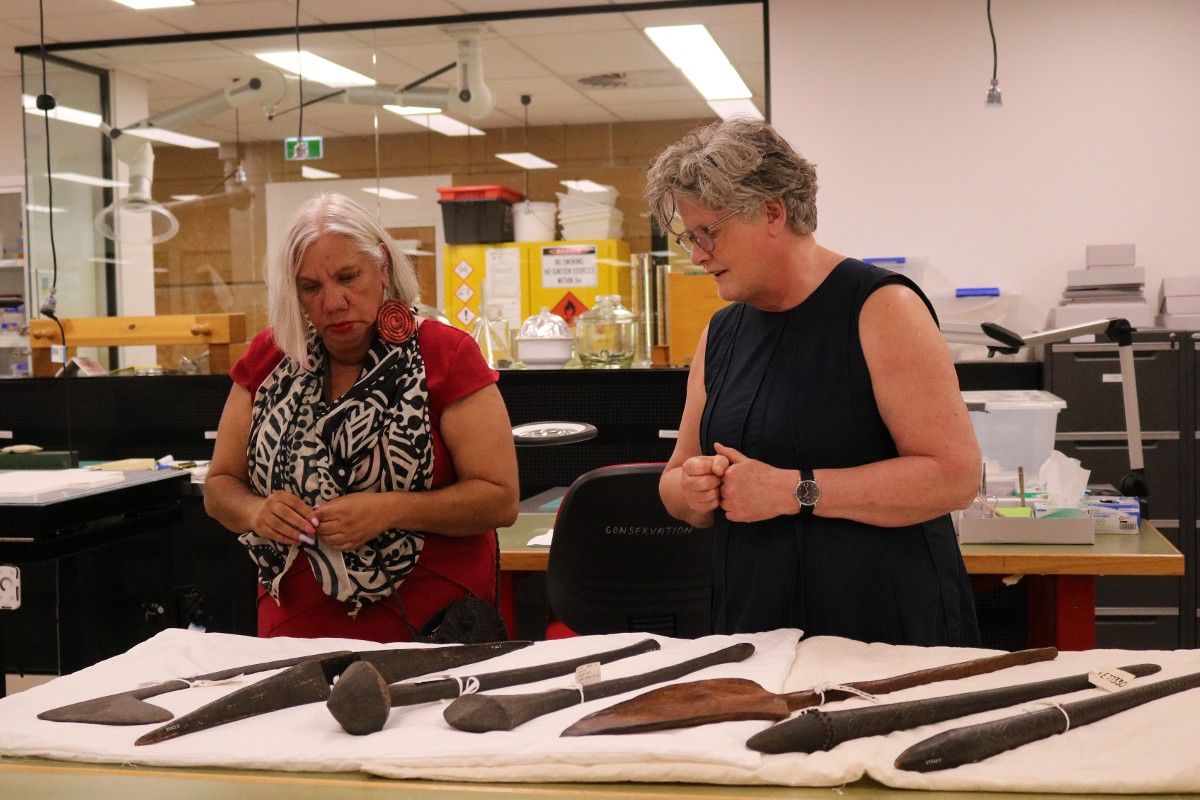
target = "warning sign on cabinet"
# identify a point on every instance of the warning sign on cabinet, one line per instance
(569, 266)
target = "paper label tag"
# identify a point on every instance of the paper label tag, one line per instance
(10, 587)
(587, 674)
(1111, 680)
(58, 354)
(1111, 377)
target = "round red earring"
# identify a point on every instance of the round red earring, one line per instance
(395, 322)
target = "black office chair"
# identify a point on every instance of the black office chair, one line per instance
(619, 562)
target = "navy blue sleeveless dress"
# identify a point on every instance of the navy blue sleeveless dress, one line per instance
(792, 389)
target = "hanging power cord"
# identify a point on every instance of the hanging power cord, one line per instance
(301, 147)
(994, 97)
(375, 127)
(526, 99)
(49, 306)
(46, 103)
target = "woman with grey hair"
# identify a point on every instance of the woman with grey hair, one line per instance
(364, 455)
(823, 434)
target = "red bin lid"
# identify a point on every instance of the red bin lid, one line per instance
(493, 191)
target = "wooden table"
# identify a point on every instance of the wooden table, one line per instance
(1062, 578)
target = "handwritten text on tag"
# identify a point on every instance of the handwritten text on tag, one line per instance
(587, 674)
(1111, 680)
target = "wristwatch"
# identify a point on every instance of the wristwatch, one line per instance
(807, 492)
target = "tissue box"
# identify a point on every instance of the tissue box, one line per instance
(1114, 514)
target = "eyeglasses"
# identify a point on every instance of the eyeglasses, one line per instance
(701, 236)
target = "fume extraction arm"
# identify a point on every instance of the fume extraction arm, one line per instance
(267, 88)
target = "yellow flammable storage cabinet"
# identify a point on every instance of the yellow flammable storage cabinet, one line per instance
(522, 277)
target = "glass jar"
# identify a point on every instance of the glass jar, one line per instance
(491, 334)
(606, 334)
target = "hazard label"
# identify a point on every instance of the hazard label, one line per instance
(569, 307)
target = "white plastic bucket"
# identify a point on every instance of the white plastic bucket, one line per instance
(533, 222)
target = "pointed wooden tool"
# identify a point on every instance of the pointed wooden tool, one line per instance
(309, 681)
(686, 705)
(131, 708)
(479, 713)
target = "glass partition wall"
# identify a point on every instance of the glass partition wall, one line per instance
(601, 102)
(67, 182)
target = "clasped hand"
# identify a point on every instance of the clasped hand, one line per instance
(742, 487)
(343, 523)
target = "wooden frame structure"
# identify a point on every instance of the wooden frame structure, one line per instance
(223, 334)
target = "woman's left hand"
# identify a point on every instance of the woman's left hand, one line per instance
(350, 521)
(752, 490)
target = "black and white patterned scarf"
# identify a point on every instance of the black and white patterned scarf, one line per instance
(374, 438)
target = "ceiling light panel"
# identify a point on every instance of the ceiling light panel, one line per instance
(389, 194)
(585, 185)
(171, 137)
(692, 49)
(62, 113)
(315, 68)
(733, 108)
(312, 173)
(144, 5)
(408, 111)
(447, 126)
(526, 160)
(88, 180)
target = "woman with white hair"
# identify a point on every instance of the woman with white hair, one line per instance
(364, 454)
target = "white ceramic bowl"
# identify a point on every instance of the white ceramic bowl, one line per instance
(544, 352)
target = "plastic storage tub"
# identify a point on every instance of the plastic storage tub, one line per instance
(477, 214)
(1015, 427)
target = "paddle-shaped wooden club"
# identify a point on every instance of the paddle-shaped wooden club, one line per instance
(686, 705)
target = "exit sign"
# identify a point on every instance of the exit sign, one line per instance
(312, 148)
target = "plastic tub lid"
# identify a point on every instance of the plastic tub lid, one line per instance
(491, 191)
(1015, 399)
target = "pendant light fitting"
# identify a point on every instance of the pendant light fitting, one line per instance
(993, 93)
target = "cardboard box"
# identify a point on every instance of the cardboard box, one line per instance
(1015, 530)
(1111, 255)
(1114, 514)
(1179, 322)
(1180, 285)
(1138, 313)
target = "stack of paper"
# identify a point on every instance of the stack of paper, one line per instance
(1110, 286)
(1180, 306)
(33, 482)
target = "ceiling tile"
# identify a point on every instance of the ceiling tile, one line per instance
(570, 23)
(681, 109)
(367, 10)
(234, 16)
(89, 27)
(605, 51)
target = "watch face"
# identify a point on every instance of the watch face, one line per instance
(808, 493)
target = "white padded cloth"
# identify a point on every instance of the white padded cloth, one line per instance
(1148, 749)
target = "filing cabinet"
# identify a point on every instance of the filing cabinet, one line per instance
(1134, 612)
